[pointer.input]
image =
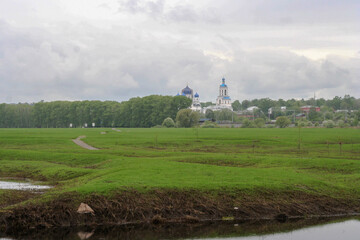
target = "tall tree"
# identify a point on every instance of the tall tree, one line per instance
(236, 105)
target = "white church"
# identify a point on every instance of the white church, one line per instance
(223, 100)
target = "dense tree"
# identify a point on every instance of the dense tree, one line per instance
(16, 115)
(236, 105)
(259, 122)
(314, 115)
(282, 122)
(329, 124)
(209, 114)
(187, 118)
(246, 123)
(152, 110)
(168, 122)
(245, 104)
(137, 112)
(265, 103)
(224, 115)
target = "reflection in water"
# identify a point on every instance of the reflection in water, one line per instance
(348, 230)
(259, 230)
(21, 186)
(85, 235)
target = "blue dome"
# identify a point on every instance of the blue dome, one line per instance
(223, 83)
(177, 94)
(196, 95)
(187, 90)
(183, 94)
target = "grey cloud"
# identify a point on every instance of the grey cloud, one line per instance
(183, 13)
(284, 12)
(128, 56)
(137, 6)
(279, 74)
(176, 13)
(106, 65)
(55, 68)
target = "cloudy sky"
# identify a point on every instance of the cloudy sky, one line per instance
(118, 49)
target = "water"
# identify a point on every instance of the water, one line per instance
(349, 230)
(314, 229)
(21, 186)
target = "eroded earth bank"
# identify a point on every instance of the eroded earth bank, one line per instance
(164, 206)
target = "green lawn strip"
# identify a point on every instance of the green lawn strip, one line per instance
(142, 174)
(67, 158)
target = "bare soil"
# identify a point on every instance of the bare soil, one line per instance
(165, 206)
(82, 144)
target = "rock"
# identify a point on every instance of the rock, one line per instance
(84, 208)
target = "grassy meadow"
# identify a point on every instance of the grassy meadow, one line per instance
(223, 159)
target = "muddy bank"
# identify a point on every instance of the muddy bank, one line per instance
(158, 207)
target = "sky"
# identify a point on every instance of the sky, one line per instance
(119, 49)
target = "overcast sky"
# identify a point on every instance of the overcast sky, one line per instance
(119, 49)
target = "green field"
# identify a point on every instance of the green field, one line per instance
(223, 159)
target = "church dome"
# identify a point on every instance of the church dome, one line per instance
(223, 83)
(187, 90)
(196, 95)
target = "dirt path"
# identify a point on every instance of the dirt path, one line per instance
(82, 144)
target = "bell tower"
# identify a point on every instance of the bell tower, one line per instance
(223, 100)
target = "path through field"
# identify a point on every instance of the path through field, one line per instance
(82, 144)
(118, 130)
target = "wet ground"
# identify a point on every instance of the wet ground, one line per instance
(319, 229)
(7, 185)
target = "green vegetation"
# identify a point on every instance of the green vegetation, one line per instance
(282, 122)
(187, 118)
(347, 102)
(246, 123)
(151, 111)
(137, 112)
(251, 160)
(168, 122)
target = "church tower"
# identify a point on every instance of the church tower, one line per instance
(196, 106)
(223, 100)
(187, 92)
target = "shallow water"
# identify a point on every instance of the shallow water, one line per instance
(21, 186)
(317, 229)
(349, 230)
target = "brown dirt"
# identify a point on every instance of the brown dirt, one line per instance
(226, 163)
(164, 206)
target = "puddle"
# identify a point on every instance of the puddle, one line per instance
(21, 186)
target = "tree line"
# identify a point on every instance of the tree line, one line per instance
(337, 103)
(151, 111)
(137, 112)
